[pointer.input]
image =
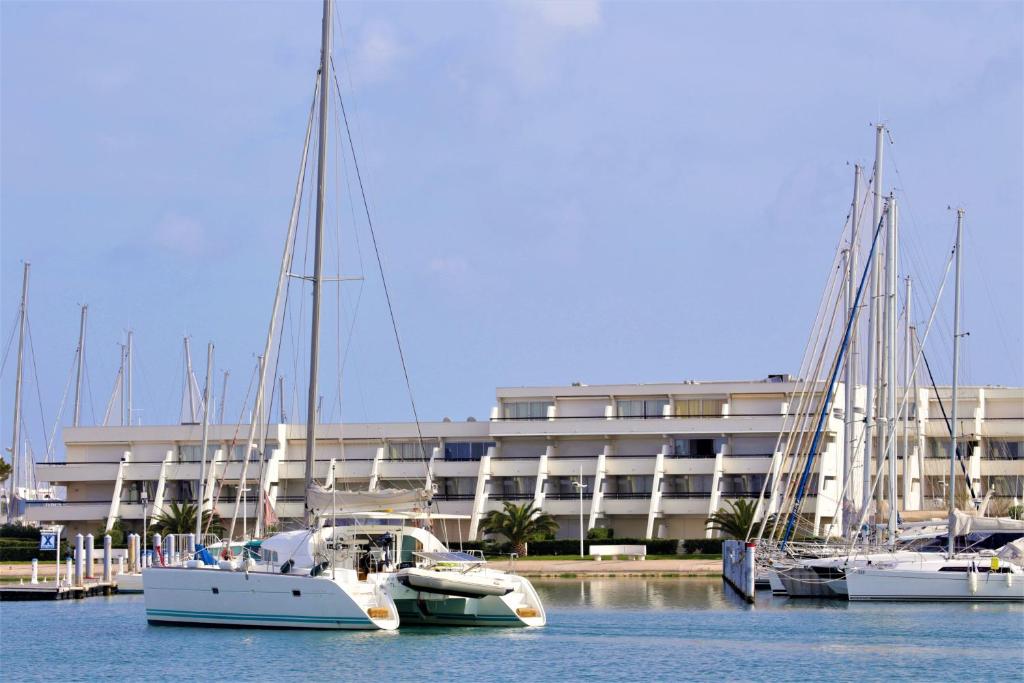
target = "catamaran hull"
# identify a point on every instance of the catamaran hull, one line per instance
(519, 607)
(954, 586)
(216, 597)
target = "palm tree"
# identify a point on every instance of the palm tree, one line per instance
(5, 470)
(180, 518)
(519, 524)
(734, 521)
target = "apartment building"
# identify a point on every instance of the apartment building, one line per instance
(654, 459)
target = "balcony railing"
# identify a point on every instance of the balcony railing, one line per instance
(511, 496)
(685, 494)
(746, 494)
(558, 495)
(627, 495)
(456, 496)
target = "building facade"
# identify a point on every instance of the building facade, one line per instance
(655, 460)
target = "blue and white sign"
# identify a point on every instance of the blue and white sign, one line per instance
(48, 540)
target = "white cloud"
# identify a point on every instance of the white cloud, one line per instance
(567, 14)
(179, 234)
(377, 52)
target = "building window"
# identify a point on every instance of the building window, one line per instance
(456, 488)
(1005, 486)
(697, 448)
(192, 452)
(741, 485)
(1000, 449)
(466, 450)
(627, 486)
(513, 488)
(563, 488)
(527, 410)
(411, 450)
(686, 486)
(699, 407)
(645, 408)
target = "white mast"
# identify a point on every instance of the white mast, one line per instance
(76, 416)
(890, 361)
(956, 378)
(16, 431)
(906, 389)
(314, 350)
(206, 440)
(850, 379)
(128, 379)
(871, 377)
(223, 397)
(188, 383)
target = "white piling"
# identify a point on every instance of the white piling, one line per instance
(79, 558)
(157, 549)
(191, 545)
(90, 552)
(35, 570)
(120, 565)
(133, 554)
(67, 574)
(106, 558)
(171, 542)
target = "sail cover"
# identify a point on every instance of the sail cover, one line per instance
(964, 524)
(327, 501)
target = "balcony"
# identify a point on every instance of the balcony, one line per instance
(619, 504)
(505, 467)
(630, 464)
(685, 503)
(61, 472)
(566, 507)
(63, 511)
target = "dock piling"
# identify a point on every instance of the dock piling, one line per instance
(90, 553)
(79, 559)
(35, 570)
(107, 544)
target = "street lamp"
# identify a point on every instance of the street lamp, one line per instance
(579, 486)
(145, 501)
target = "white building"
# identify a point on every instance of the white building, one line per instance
(656, 459)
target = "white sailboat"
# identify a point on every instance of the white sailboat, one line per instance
(300, 587)
(993, 576)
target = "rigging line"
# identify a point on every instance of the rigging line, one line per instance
(949, 425)
(380, 267)
(1003, 337)
(10, 340)
(60, 411)
(88, 390)
(35, 375)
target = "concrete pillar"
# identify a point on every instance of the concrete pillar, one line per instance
(106, 558)
(190, 545)
(79, 558)
(133, 552)
(35, 570)
(120, 565)
(67, 574)
(171, 543)
(90, 552)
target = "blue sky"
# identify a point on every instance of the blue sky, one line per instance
(576, 191)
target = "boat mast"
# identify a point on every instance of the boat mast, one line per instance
(206, 440)
(850, 379)
(906, 389)
(956, 378)
(223, 397)
(871, 376)
(128, 378)
(76, 417)
(16, 431)
(188, 383)
(321, 186)
(890, 361)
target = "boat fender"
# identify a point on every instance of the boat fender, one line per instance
(318, 569)
(287, 566)
(1009, 579)
(972, 579)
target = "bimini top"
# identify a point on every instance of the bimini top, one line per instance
(465, 558)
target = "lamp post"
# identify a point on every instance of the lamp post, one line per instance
(145, 502)
(579, 486)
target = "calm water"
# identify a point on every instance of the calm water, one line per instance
(598, 630)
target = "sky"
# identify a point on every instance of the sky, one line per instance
(571, 191)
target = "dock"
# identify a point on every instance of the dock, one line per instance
(48, 590)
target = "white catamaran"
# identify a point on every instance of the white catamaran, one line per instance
(365, 559)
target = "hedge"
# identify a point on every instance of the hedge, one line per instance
(24, 551)
(655, 546)
(30, 533)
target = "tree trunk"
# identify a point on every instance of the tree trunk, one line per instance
(520, 548)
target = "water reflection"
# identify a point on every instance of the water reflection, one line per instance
(637, 593)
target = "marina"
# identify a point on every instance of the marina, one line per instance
(592, 623)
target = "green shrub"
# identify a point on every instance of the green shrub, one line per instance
(600, 534)
(19, 531)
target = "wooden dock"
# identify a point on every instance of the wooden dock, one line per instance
(48, 590)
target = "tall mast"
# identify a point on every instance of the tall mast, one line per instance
(890, 361)
(223, 397)
(188, 383)
(128, 378)
(871, 376)
(16, 431)
(206, 440)
(284, 414)
(321, 186)
(906, 389)
(850, 379)
(76, 417)
(956, 379)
